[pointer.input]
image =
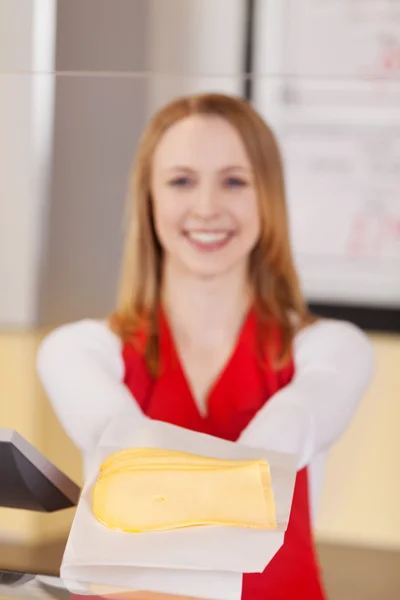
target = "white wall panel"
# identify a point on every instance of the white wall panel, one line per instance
(26, 114)
(195, 46)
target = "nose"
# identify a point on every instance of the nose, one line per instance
(206, 204)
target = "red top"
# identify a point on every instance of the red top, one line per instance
(240, 391)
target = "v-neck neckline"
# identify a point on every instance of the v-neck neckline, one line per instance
(171, 360)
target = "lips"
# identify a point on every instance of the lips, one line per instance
(209, 240)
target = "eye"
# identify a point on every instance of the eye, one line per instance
(235, 182)
(180, 182)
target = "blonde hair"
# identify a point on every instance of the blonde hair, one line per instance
(275, 283)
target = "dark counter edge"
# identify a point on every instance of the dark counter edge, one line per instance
(349, 571)
(376, 320)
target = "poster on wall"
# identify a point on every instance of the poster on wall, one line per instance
(341, 53)
(330, 87)
(343, 187)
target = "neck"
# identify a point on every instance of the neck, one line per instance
(209, 311)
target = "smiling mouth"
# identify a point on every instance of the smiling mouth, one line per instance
(209, 240)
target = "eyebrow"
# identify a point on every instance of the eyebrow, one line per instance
(187, 169)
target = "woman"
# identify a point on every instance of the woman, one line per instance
(212, 332)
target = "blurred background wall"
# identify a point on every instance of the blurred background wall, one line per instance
(66, 145)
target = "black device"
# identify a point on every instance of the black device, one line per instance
(29, 481)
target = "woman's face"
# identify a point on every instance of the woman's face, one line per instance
(204, 198)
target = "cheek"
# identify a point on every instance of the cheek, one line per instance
(249, 217)
(168, 215)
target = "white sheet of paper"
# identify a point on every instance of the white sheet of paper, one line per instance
(221, 554)
(202, 585)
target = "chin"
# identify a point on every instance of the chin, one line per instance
(212, 271)
(207, 275)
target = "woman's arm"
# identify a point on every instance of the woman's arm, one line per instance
(334, 364)
(81, 369)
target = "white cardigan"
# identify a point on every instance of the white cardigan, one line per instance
(81, 368)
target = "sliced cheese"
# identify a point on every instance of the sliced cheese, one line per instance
(145, 489)
(159, 456)
(170, 459)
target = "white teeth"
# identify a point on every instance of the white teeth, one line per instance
(208, 237)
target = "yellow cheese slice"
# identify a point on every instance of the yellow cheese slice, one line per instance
(148, 455)
(146, 489)
(155, 458)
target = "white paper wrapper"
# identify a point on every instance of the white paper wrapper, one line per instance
(201, 585)
(208, 560)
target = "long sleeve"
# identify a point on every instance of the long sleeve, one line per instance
(334, 364)
(81, 368)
